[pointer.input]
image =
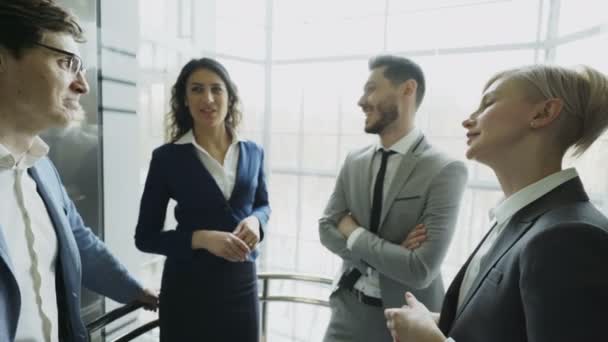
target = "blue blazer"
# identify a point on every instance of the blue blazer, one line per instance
(177, 173)
(83, 258)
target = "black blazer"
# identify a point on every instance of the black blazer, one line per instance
(544, 280)
(177, 173)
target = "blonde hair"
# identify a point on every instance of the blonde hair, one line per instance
(583, 90)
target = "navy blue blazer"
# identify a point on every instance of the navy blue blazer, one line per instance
(82, 260)
(177, 173)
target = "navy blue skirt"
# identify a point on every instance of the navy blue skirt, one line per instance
(211, 302)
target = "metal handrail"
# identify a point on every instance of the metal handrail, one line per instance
(112, 316)
(295, 276)
(264, 297)
(138, 331)
(265, 277)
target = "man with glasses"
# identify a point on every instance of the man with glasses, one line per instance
(46, 252)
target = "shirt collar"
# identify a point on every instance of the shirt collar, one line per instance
(402, 145)
(510, 206)
(37, 150)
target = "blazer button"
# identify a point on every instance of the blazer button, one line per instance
(227, 208)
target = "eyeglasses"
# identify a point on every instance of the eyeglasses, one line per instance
(75, 64)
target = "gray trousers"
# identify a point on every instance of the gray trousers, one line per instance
(353, 321)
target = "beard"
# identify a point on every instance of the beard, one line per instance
(388, 112)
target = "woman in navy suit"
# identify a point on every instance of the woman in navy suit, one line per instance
(209, 286)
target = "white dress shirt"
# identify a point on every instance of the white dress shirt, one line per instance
(503, 213)
(32, 244)
(224, 175)
(369, 282)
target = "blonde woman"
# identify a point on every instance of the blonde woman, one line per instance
(541, 272)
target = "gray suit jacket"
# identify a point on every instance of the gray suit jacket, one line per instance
(427, 188)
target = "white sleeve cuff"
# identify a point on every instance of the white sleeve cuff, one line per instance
(352, 238)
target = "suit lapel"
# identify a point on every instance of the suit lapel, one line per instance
(569, 192)
(66, 244)
(198, 170)
(450, 304)
(408, 163)
(68, 267)
(363, 186)
(243, 172)
(511, 234)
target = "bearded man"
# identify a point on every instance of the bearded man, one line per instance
(389, 197)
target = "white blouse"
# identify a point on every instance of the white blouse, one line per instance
(224, 175)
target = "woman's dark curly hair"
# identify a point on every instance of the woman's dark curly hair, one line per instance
(179, 118)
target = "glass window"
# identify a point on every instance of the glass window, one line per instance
(317, 28)
(416, 25)
(310, 326)
(171, 14)
(286, 95)
(454, 84)
(284, 151)
(577, 15)
(240, 40)
(186, 12)
(283, 190)
(160, 57)
(326, 93)
(590, 51)
(250, 81)
(152, 19)
(320, 152)
(242, 12)
(145, 56)
(240, 28)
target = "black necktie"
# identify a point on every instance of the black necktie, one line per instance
(349, 279)
(374, 221)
